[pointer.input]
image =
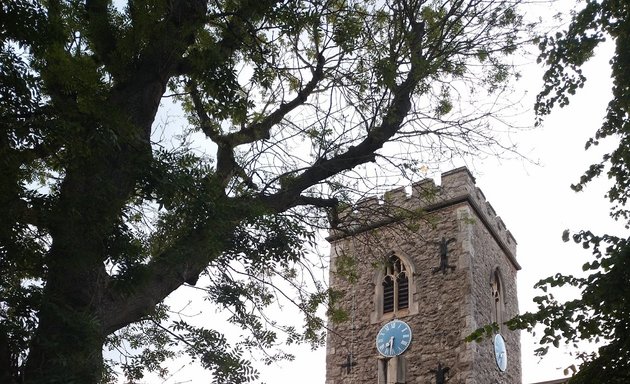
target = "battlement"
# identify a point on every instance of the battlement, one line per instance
(458, 185)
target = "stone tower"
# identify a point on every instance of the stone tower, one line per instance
(442, 262)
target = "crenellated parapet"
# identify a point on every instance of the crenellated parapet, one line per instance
(458, 186)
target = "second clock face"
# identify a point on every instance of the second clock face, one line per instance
(393, 338)
(500, 352)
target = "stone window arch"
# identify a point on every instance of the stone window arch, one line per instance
(395, 289)
(498, 297)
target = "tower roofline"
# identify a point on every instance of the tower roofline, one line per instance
(458, 186)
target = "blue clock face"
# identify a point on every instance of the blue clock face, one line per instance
(393, 339)
(500, 353)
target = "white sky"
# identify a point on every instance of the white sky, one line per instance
(536, 204)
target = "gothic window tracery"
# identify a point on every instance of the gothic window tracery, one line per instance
(395, 285)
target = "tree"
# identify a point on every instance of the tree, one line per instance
(104, 215)
(602, 313)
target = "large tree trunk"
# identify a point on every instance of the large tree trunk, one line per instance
(101, 177)
(67, 347)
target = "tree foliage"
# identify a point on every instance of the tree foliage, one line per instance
(602, 313)
(288, 103)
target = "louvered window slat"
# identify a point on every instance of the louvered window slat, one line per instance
(403, 291)
(388, 295)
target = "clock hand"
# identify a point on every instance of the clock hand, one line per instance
(391, 345)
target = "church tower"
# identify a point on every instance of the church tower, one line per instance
(415, 275)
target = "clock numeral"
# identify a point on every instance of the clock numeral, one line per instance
(406, 335)
(404, 342)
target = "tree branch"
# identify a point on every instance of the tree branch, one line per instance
(227, 166)
(260, 130)
(289, 195)
(101, 30)
(232, 37)
(317, 202)
(166, 272)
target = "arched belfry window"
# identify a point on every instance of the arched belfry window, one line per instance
(497, 297)
(394, 288)
(395, 285)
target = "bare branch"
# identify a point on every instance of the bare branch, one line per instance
(364, 152)
(260, 130)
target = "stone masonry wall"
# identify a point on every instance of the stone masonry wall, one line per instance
(445, 307)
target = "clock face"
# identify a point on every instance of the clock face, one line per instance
(393, 339)
(500, 353)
